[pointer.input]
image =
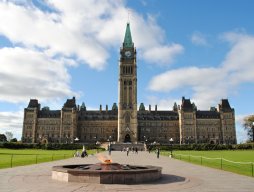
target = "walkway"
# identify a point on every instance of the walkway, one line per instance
(177, 176)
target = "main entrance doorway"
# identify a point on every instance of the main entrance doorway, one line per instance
(127, 139)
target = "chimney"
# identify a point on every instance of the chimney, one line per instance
(107, 108)
(100, 108)
(149, 108)
(155, 107)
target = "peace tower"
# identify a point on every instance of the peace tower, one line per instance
(127, 91)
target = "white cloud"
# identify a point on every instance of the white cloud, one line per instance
(162, 55)
(209, 85)
(12, 122)
(28, 74)
(85, 29)
(162, 104)
(46, 40)
(199, 39)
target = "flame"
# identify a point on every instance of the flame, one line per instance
(104, 159)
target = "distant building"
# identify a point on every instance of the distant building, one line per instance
(124, 122)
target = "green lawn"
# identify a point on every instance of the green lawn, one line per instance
(12, 157)
(238, 161)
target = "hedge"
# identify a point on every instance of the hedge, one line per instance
(204, 147)
(198, 147)
(49, 146)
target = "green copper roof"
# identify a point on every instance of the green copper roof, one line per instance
(127, 38)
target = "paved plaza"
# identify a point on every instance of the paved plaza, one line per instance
(176, 176)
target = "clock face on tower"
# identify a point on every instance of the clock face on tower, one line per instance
(127, 53)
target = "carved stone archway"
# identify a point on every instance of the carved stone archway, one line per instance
(127, 138)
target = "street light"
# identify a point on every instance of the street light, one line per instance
(144, 137)
(253, 131)
(109, 146)
(76, 139)
(109, 140)
(171, 140)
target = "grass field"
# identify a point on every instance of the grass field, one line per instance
(238, 161)
(12, 158)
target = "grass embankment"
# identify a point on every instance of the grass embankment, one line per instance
(12, 157)
(237, 161)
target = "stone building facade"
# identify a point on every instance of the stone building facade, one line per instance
(125, 122)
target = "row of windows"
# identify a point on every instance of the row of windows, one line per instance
(29, 115)
(188, 116)
(208, 129)
(127, 82)
(48, 122)
(227, 116)
(48, 128)
(160, 124)
(208, 122)
(127, 70)
(28, 127)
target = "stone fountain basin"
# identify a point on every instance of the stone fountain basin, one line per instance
(106, 174)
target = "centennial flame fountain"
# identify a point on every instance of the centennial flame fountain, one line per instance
(106, 173)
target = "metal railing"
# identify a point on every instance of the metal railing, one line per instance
(245, 168)
(13, 160)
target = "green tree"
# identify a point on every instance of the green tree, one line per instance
(249, 126)
(9, 135)
(14, 140)
(3, 138)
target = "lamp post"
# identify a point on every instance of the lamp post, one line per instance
(188, 140)
(144, 138)
(109, 146)
(171, 140)
(252, 131)
(76, 140)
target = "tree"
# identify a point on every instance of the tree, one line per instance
(14, 140)
(9, 135)
(3, 138)
(249, 126)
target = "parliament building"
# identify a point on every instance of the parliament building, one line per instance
(126, 121)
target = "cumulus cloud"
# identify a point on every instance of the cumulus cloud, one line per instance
(162, 103)
(12, 122)
(163, 55)
(199, 39)
(28, 74)
(47, 38)
(209, 85)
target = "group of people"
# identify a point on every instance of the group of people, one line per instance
(83, 153)
(127, 149)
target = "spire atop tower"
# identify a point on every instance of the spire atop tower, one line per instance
(127, 38)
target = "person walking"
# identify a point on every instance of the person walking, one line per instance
(109, 150)
(158, 153)
(127, 151)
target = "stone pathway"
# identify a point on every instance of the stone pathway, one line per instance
(177, 176)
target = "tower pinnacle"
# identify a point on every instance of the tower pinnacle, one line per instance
(127, 38)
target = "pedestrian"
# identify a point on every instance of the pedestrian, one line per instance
(83, 153)
(127, 151)
(136, 150)
(158, 153)
(109, 150)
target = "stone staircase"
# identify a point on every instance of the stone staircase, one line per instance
(121, 146)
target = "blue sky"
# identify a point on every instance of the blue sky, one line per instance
(53, 50)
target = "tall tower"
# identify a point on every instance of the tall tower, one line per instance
(127, 91)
